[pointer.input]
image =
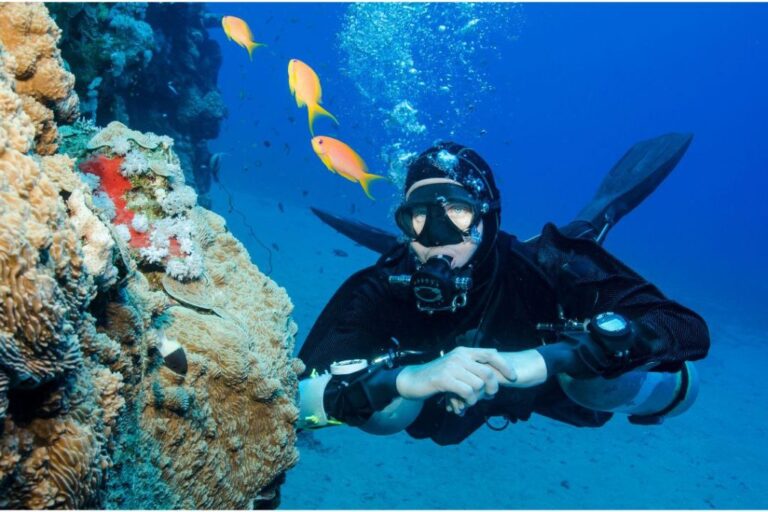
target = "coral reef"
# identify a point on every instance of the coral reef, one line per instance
(57, 409)
(97, 241)
(151, 66)
(106, 261)
(30, 36)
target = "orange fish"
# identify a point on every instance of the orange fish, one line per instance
(305, 87)
(342, 159)
(237, 30)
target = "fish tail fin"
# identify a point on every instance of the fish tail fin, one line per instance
(366, 180)
(323, 112)
(252, 46)
(314, 110)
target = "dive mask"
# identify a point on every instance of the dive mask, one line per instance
(441, 214)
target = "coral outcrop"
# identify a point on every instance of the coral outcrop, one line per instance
(145, 362)
(231, 419)
(46, 88)
(151, 66)
(142, 190)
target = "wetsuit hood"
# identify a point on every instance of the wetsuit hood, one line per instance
(463, 165)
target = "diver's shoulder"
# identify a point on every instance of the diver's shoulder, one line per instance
(393, 260)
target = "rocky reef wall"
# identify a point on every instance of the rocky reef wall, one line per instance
(145, 362)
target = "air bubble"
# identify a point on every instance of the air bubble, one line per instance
(418, 63)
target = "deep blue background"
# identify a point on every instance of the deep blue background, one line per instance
(580, 84)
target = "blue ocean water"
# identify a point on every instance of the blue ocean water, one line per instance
(551, 95)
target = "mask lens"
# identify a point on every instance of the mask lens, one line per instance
(418, 219)
(460, 214)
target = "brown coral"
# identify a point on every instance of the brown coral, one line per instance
(228, 426)
(59, 169)
(29, 34)
(61, 462)
(45, 126)
(16, 129)
(54, 419)
(42, 285)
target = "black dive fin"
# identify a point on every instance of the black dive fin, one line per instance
(366, 235)
(633, 178)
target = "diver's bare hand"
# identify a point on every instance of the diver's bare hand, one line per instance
(470, 374)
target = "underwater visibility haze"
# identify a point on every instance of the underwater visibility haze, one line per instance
(186, 268)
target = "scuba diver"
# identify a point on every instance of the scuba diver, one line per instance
(460, 324)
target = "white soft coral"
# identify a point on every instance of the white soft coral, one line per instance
(179, 200)
(154, 253)
(183, 269)
(97, 240)
(121, 146)
(140, 223)
(159, 242)
(190, 265)
(134, 164)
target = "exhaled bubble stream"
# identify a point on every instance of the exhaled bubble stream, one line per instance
(422, 68)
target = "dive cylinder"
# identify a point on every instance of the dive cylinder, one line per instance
(312, 391)
(311, 410)
(646, 396)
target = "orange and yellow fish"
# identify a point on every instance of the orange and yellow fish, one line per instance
(305, 87)
(237, 30)
(342, 159)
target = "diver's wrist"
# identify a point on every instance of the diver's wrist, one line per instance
(529, 366)
(404, 384)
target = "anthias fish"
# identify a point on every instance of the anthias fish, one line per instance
(305, 87)
(344, 161)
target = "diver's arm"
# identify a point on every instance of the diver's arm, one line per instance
(535, 366)
(321, 405)
(368, 400)
(672, 333)
(397, 416)
(664, 333)
(383, 400)
(589, 280)
(357, 323)
(581, 354)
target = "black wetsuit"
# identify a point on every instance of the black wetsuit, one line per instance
(518, 286)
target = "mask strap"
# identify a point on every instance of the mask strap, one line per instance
(494, 204)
